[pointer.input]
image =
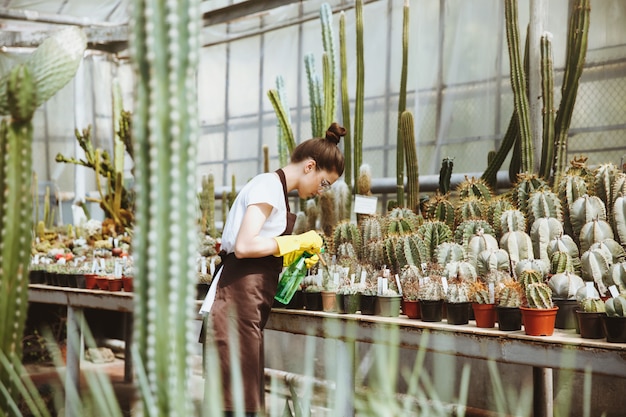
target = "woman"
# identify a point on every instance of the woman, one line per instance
(256, 237)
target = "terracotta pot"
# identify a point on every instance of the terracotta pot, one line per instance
(539, 321)
(115, 284)
(411, 308)
(566, 314)
(389, 305)
(431, 311)
(590, 324)
(458, 313)
(614, 329)
(127, 284)
(509, 318)
(368, 304)
(329, 301)
(90, 281)
(351, 303)
(485, 315)
(313, 301)
(103, 282)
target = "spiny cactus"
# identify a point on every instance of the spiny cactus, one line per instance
(595, 264)
(569, 189)
(592, 305)
(470, 208)
(495, 208)
(561, 262)
(479, 292)
(474, 187)
(374, 252)
(461, 270)
(539, 295)
(565, 285)
(449, 252)
(529, 276)
(401, 220)
(410, 153)
(480, 242)
(345, 104)
(328, 216)
(544, 203)
(206, 199)
(617, 275)
(165, 50)
(347, 232)
(433, 233)
(594, 231)
(445, 174)
(616, 306)
(401, 250)
(583, 210)
(564, 243)
(509, 294)
(534, 264)
(519, 246)
(371, 229)
(458, 292)
(512, 220)
(431, 289)
(604, 179)
(440, 208)
(469, 228)
(525, 185)
(492, 260)
(542, 231)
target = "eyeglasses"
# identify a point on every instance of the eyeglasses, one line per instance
(324, 186)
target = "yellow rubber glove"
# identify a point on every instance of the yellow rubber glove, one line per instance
(291, 257)
(310, 242)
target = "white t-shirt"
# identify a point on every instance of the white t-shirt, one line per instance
(264, 188)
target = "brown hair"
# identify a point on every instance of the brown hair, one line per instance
(324, 151)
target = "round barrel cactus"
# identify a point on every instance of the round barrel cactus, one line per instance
(565, 285)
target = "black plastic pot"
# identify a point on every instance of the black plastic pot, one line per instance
(431, 311)
(614, 328)
(339, 303)
(566, 314)
(509, 318)
(351, 303)
(297, 302)
(458, 313)
(313, 301)
(590, 324)
(368, 304)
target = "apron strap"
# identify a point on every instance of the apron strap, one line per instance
(283, 181)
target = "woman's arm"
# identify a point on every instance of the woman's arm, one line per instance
(248, 243)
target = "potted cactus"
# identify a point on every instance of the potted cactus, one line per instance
(614, 322)
(483, 304)
(350, 296)
(409, 278)
(508, 302)
(431, 297)
(564, 287)
(589, 313)
(539, 315)
(457, 302)
(312, 291)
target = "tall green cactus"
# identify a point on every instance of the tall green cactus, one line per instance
(401, 137)
(547, 96)
(410, 153)
(345, 103)
(165, 48)
(50, 67)
(359, 99)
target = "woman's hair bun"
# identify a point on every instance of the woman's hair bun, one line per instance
(335, 132)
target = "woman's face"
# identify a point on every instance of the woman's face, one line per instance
(316, 182)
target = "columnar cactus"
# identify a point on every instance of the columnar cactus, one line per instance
(539, 295)
(470, 208)
(604, 176)
(561, 262)
(347, 232)
(509, 294)
(25, 87)
(525, 185)
(165, 48)
(474, 187)
(469, 228)
(371, 229)
(410, 154)
(544, 203)
(445, 174)
(619, 218)
(569, 189)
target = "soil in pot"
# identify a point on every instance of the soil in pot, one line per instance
(431, 311)
(566, 314)
(539, 321)
(614, 328)
(351, 303)
(485, 315)
(458, 313)
(313, 301)
(368, 304)
(509, 318)
(411, 308)
(389, 305)
(590, 324)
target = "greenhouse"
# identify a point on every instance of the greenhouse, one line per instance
(313, 208)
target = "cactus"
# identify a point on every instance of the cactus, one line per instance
(26, 86)
(401, 250)
(312, 212)
(207, 206)
(449, 252)
(474, 187)
(542, 232)
(595, 264)
(544, 203)
(342, 200)
(445, 174)
(534, 264)
(611, 246)
(583, 210)
(458, 292)
(410, 153)
(371, 229)
(286, 140)
(616, 306)
(577, 33)
(431, 289)
(440, 208)
(604, 178)
(479, 292)
(547, 96)
(401, 220)
(346, 250)
(519, 246)
(495, 208)
(374, 252)
(469, 228)
(405, 129)
(479, 242)
(347, 232)
(492, 260)
(569, 189)
(592, 232)
(564, 243)
(539, 295)
(330, 65)
(617, 276)
(529, 276)
(433, 233)
(592, 305)
(565, 285)
(345, 105)
(561, 262)
(512, 220)
(470, 208)
(315, 97)
(359, 99)
(525, 185)
(165, 49)
(619, 218)
(461, 270)
(518, 84)
(509, 294)
(328, 218)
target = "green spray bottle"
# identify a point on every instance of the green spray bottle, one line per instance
(291, 278)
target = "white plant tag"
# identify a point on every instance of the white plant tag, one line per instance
(102, 266)
(589, 289)
(36, 260)
(352, 278)
(444, 284)
(398, 284)
(424, 266)
(379, 283)
(613, 290)
(492, 293)
(212, 267)
(365, 204)
(385, 285)
(203, 266)
(336, 278)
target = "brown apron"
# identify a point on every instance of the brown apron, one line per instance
(243, 301)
